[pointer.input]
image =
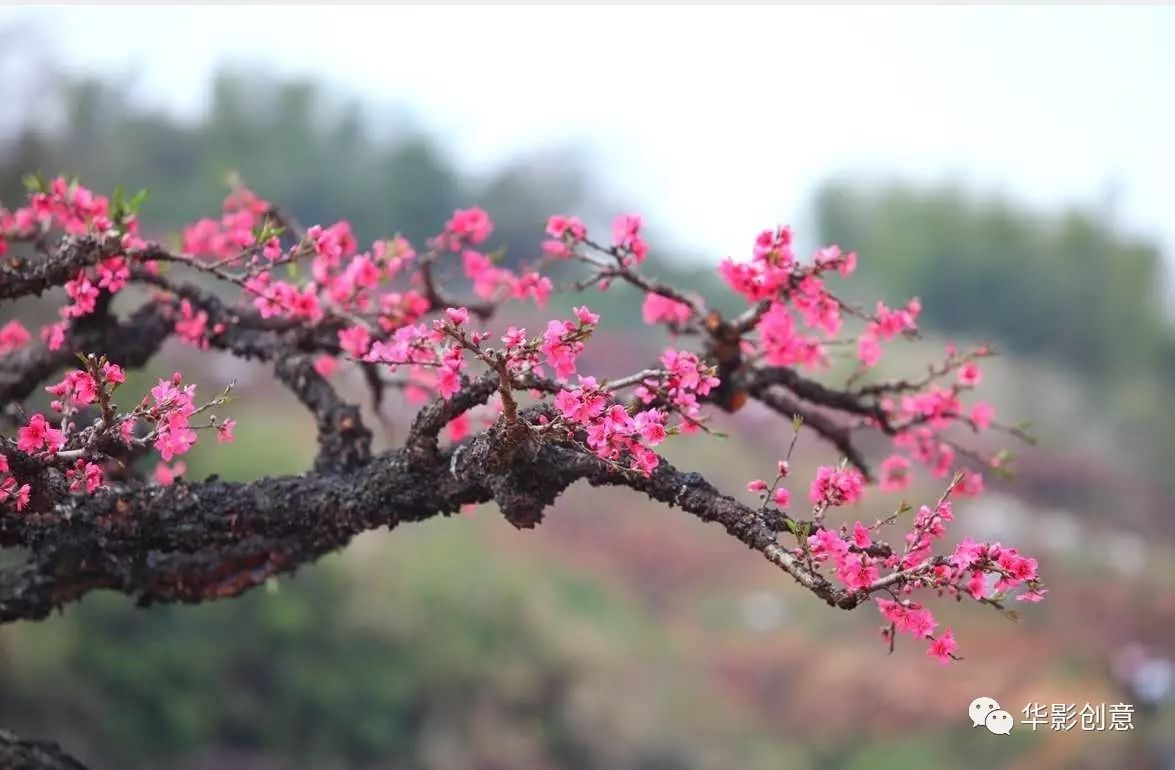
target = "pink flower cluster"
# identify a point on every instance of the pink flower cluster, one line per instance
(836, 486)
(75, 210)
(611, 431)
(626, 435)
(626, 238)
(491, 282)
(659, 309)
(232, 233)
(84, 476)
(562, 343)
(38, 435)
(192, 325)
(77, 389)
(467, 227)
(566, 233)
(171, 413)
(886, 325)
(768, 272)
(686, 378)
(782, 344)
(13, 336)
(12, 493)
(920, 420)
(62, 205)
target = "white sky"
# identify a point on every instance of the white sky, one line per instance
(717, 122)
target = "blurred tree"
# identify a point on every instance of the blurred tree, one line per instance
(289, 136)
(1068, 289)
(979, 265)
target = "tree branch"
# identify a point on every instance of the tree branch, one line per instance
(21, 754)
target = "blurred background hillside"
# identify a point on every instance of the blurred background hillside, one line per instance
(620, 635)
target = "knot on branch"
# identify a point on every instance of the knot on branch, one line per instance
(521, 474)
(423, 437)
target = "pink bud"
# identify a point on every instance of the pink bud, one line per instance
(458, 315)
(783, 468)
(782, 497)
(758, 485)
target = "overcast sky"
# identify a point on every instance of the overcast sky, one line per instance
(717, 122)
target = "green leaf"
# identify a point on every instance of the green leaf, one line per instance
(137, 200)
(35, 182)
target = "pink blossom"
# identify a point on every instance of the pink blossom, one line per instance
(224, 431)
(486, 278)
(459, 427)
(84, 476)
(982, 414)
(868, 349)
(20, 496)
(781, 497)
(827, 544)
(657, 309)
(970, 484)
(175, 437)
(895, 473)
(888, 323)
(113, 373)
(84, 295)
(857, 573)
(836, 487)
(970, 375)
(977, 584)
(78, 387)
(448, 382)
(626, 235)
(167, 475)
(113, 274)
(53, 335)
(650, 424)
(943, 647)
(782, 344)
(586, 316)
(908, 617)
(514, 337)
(192, 327)
(533, 285)
(758, 485)
(861, 537)
(272, 250)
(13, 335)
(559, 350)
(38, 434)
(817, 307)
(355, 340)
(325, 365)
(470, 225)
(564, 227)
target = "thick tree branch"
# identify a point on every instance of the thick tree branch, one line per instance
(131, 343)
(20, 277)
(21, 754)
(344, 442)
